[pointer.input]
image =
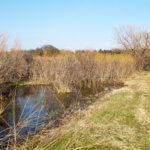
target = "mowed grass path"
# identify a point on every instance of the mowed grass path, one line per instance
(118, 121)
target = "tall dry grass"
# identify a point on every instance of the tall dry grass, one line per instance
(2, 107)
(69, 69)
(22, 126)
(14, 64)
(65, 70)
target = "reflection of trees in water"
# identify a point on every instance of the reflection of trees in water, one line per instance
(8, 119)
(36, 98)
(3, 105)
(35, 103)
(26, 91)
(66, 99)
(7, 115)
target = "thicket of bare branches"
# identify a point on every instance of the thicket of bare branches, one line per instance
(133, 38)
(65, 69)
(14, 65)
(68, 69)
(137, 41)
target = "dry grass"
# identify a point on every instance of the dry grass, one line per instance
(118, 121)
(13, 64)
(14, 132)
(1, 109)
(67, 69)
(3, 105)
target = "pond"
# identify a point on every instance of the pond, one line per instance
(29, 109)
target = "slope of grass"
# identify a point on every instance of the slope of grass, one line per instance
(117, 121)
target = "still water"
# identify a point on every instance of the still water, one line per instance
(29, 109)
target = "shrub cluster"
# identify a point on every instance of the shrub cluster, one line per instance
(64, 69)
(14, 66)
(69, 69)
(142, 57)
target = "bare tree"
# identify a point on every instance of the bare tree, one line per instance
(136, 40)
(133, 37)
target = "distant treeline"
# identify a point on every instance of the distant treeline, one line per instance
(142, 56)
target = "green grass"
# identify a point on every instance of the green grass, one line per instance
(117, 121)
(17, 83)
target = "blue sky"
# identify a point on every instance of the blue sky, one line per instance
(73, 24)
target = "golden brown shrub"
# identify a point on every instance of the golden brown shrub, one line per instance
(66, 70)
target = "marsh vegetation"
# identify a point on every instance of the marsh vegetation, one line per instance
(42, 85)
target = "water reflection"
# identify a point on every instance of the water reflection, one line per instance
(32, 107)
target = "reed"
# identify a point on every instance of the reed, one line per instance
(15, 130)
(68, 70)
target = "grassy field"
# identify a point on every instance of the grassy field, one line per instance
(118, 121)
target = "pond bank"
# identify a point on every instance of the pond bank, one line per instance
(119, 120)
(30, 108)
